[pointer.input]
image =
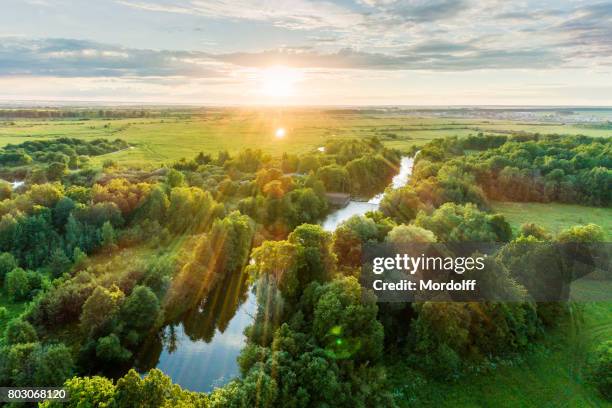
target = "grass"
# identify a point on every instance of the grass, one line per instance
(550, 376)
(158, 140)
(555, 217)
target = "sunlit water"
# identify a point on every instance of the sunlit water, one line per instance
(337, 217)
(15, 184)
(200, 352)
(200, 366)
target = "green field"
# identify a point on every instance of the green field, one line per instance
(160, 140)
(555, 217)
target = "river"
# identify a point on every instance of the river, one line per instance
(200, 352)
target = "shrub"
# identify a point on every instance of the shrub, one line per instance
(601, 369)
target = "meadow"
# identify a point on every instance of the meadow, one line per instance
(554, 216)
(160, 140)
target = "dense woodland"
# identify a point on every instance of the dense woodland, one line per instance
(318, 338)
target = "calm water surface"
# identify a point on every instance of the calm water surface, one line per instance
(199, 352)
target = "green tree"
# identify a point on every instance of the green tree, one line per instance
(56, 170)
(7, 264)
(140, 311)
(108, 235)
(175, 178)
(53, 366)
(335, 178)
(318, 262)
(100, 307)
(110, 350)
(408, 234)
(20, 331)
(17, 284)
(401, 205)
(344, 320)
(86, 392)
(59, 262)
(601, 369)
(6, 190)
(582, 233)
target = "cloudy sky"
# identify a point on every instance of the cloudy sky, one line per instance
(359, 52)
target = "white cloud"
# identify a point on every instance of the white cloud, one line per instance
(294, 14)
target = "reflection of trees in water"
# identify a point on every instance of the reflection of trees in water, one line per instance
(200, 322)
(217, 309)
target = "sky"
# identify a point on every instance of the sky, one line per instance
(302, 52)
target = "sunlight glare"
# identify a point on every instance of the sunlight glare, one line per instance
(279, 81)
(280, 133)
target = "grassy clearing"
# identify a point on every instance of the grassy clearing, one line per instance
(555, 217)
(159, 140)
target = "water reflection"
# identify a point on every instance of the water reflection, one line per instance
(199, 351)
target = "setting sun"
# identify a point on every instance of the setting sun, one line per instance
(279, 81)
(280, 133)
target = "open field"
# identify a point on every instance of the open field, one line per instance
(553, 216)
(159, 140)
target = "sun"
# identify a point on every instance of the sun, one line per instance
(280, 133)
(279, 81)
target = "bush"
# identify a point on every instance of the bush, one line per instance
(601, 369)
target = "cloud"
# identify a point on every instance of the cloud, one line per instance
(424, 10)
(292, 14)
(79, 58)
(424, 57)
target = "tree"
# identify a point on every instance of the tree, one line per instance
(59, 262)
(175, 178)
(85, 392)
(20, 331)
(457, 223)
(334, 177)
(7, 264)
(344, 320)
(409, 234)
(582, 233)
(110, 350)
(6, 190)
(108, 235)
(601, 369)
(155, 206)
(17, 284)
(61, 212)
(100, 307)
(56, 170)
(401, 205)
(318, 262)
(280, 261)
(350, 236)
(53, 366)
(140, 311)
(534, 230)
(46, 195)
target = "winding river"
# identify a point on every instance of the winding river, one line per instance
(200, 353)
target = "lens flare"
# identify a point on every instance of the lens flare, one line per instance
(280, 133)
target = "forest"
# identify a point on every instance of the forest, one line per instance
(77, 308)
